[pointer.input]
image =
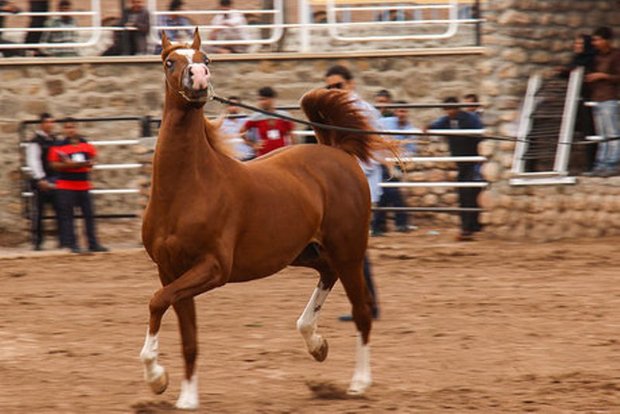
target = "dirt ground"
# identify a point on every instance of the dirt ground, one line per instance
(482, 327)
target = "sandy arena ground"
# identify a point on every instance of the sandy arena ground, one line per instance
(481, 327)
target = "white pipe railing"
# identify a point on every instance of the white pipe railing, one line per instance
(95, 27)
(453, 23)
(276, 27)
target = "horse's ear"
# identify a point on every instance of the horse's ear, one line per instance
(197, 42)
(165, 42)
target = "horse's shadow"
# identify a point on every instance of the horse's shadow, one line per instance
(329, 391)
(153, 407)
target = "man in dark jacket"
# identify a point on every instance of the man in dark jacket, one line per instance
(456, 118)
(43, 176)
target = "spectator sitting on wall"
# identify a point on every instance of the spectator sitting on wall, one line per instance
(456, 118)
(65, 36)
(233, 22)
(171, 20)
(37, 22)
(604, 82)
(73, 158)
(7, 6)
(136, 21)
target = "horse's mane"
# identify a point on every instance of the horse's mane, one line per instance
(336, 107)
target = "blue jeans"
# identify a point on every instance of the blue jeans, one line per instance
(607, 122)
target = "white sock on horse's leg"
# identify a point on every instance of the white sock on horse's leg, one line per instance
(154, 374)
(362, 377)
(188, 399)
(307, 323)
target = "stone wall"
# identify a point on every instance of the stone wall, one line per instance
(523, 37)
(120, 89)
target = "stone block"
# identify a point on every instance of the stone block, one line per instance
(514, 17)
(491, 171)
(55, 87)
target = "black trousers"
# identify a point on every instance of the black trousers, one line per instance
(37, 21)
(468, 197)
(67, 201)
(391, 197)
(371, 286)
(37, 210)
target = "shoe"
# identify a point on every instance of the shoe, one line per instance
(37, 248)
(403, 229)
(593, 172)
(478, 228)
(608, 173)
(98, 249)
(377, 233)
(465, 236)
(75, 250)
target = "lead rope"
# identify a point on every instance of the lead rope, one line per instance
(319, 125)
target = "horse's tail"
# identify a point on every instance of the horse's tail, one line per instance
(336, 107)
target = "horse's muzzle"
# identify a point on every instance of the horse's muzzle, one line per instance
(196, 85)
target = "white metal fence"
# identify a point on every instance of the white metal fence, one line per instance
(350, 23)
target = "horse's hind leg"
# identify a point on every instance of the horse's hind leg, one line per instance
(352, 280)
(307, 322)
(186, 314)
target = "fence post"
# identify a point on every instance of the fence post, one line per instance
(146, 126)
(477, 15)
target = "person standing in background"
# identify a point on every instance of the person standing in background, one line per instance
(340, 77)
(462, 146)
(231, 127)
(265, 133)
(43, 181)
(604, 84)
(74, 158)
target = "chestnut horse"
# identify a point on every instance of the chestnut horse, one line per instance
(213, 220)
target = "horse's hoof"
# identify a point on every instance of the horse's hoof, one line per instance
(358, 387)
(320, 354)
(189, 405)
(159, 384)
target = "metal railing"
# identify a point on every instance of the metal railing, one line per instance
(95, 29)
(272, 29)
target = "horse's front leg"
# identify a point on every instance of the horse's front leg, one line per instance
(201, 278)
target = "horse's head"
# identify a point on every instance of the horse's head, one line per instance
(186, 69)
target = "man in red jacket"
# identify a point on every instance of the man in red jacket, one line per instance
(73, 159)
(266, 133)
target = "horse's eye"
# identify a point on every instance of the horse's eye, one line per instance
(206, 60)
(169, 64)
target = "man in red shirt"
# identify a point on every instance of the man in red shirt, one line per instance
(73, 159)
(263, 132)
